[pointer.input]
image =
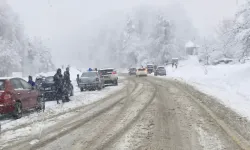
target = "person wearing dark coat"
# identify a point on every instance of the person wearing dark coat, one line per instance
(58, 81)
(77, 79)
(67, 76)
(31, 82)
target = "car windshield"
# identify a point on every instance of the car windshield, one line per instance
(132, 69)
(150, 66)
(161, 68)
(89, 74)
(2, 85)
(141, 69)
(49, 79)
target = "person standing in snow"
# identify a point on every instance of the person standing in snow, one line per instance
(58, 81)
(67, 76)
(77, 79)
(31, 82)
(67, 79)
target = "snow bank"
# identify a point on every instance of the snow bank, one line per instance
(229, 83)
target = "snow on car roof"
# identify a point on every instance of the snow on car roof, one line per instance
(89, 71)
(7, 78)
(107, 69)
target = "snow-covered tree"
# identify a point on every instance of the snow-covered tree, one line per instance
(149, 34)
(162, 41)
(226, 36)
(242, 28)
(17, 53)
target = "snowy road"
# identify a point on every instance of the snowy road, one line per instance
(149, 113)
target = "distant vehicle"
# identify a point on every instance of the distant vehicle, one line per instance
(91, 80)
(150, 68)
(222, 61)
(17, 95)
(160, 71)
(46, 87)
(132, 71)
(141, 72)
(109, 76)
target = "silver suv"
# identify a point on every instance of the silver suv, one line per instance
(109, 76)
(91, 81)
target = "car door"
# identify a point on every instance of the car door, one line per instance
(20, 93)
(32, 93)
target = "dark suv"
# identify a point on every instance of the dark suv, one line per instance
(16, 96)
(46, 86)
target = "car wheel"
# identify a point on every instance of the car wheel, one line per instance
(116, 82)
(81, 89)
(41, 104)
(18, 112)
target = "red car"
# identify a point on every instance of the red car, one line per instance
(16, 96)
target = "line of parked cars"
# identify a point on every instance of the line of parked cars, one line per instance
(97, 80)
(158, 71)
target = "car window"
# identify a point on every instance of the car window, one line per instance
(161, 68)
(16, 84)
(89, 74)
(150, 66)
(106, 71)
(25, 85)
(49, 79)
(2, 85)
(141, 69)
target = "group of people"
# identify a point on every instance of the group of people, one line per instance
(59, 81)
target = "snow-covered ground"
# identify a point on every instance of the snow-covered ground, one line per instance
(10, 128)
(229, 83)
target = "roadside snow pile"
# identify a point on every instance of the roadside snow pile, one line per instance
(229, 83)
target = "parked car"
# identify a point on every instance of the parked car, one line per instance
(141, 72)
(150, 68)
(132, 71)
(161, 71)
(109, 76)
(91, 80)
(46, 87)
(17, 95)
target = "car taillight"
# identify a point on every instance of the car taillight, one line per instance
(6, 96)
(97, 79)
(114, 72)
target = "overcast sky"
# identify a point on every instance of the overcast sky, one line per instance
(57, 21)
